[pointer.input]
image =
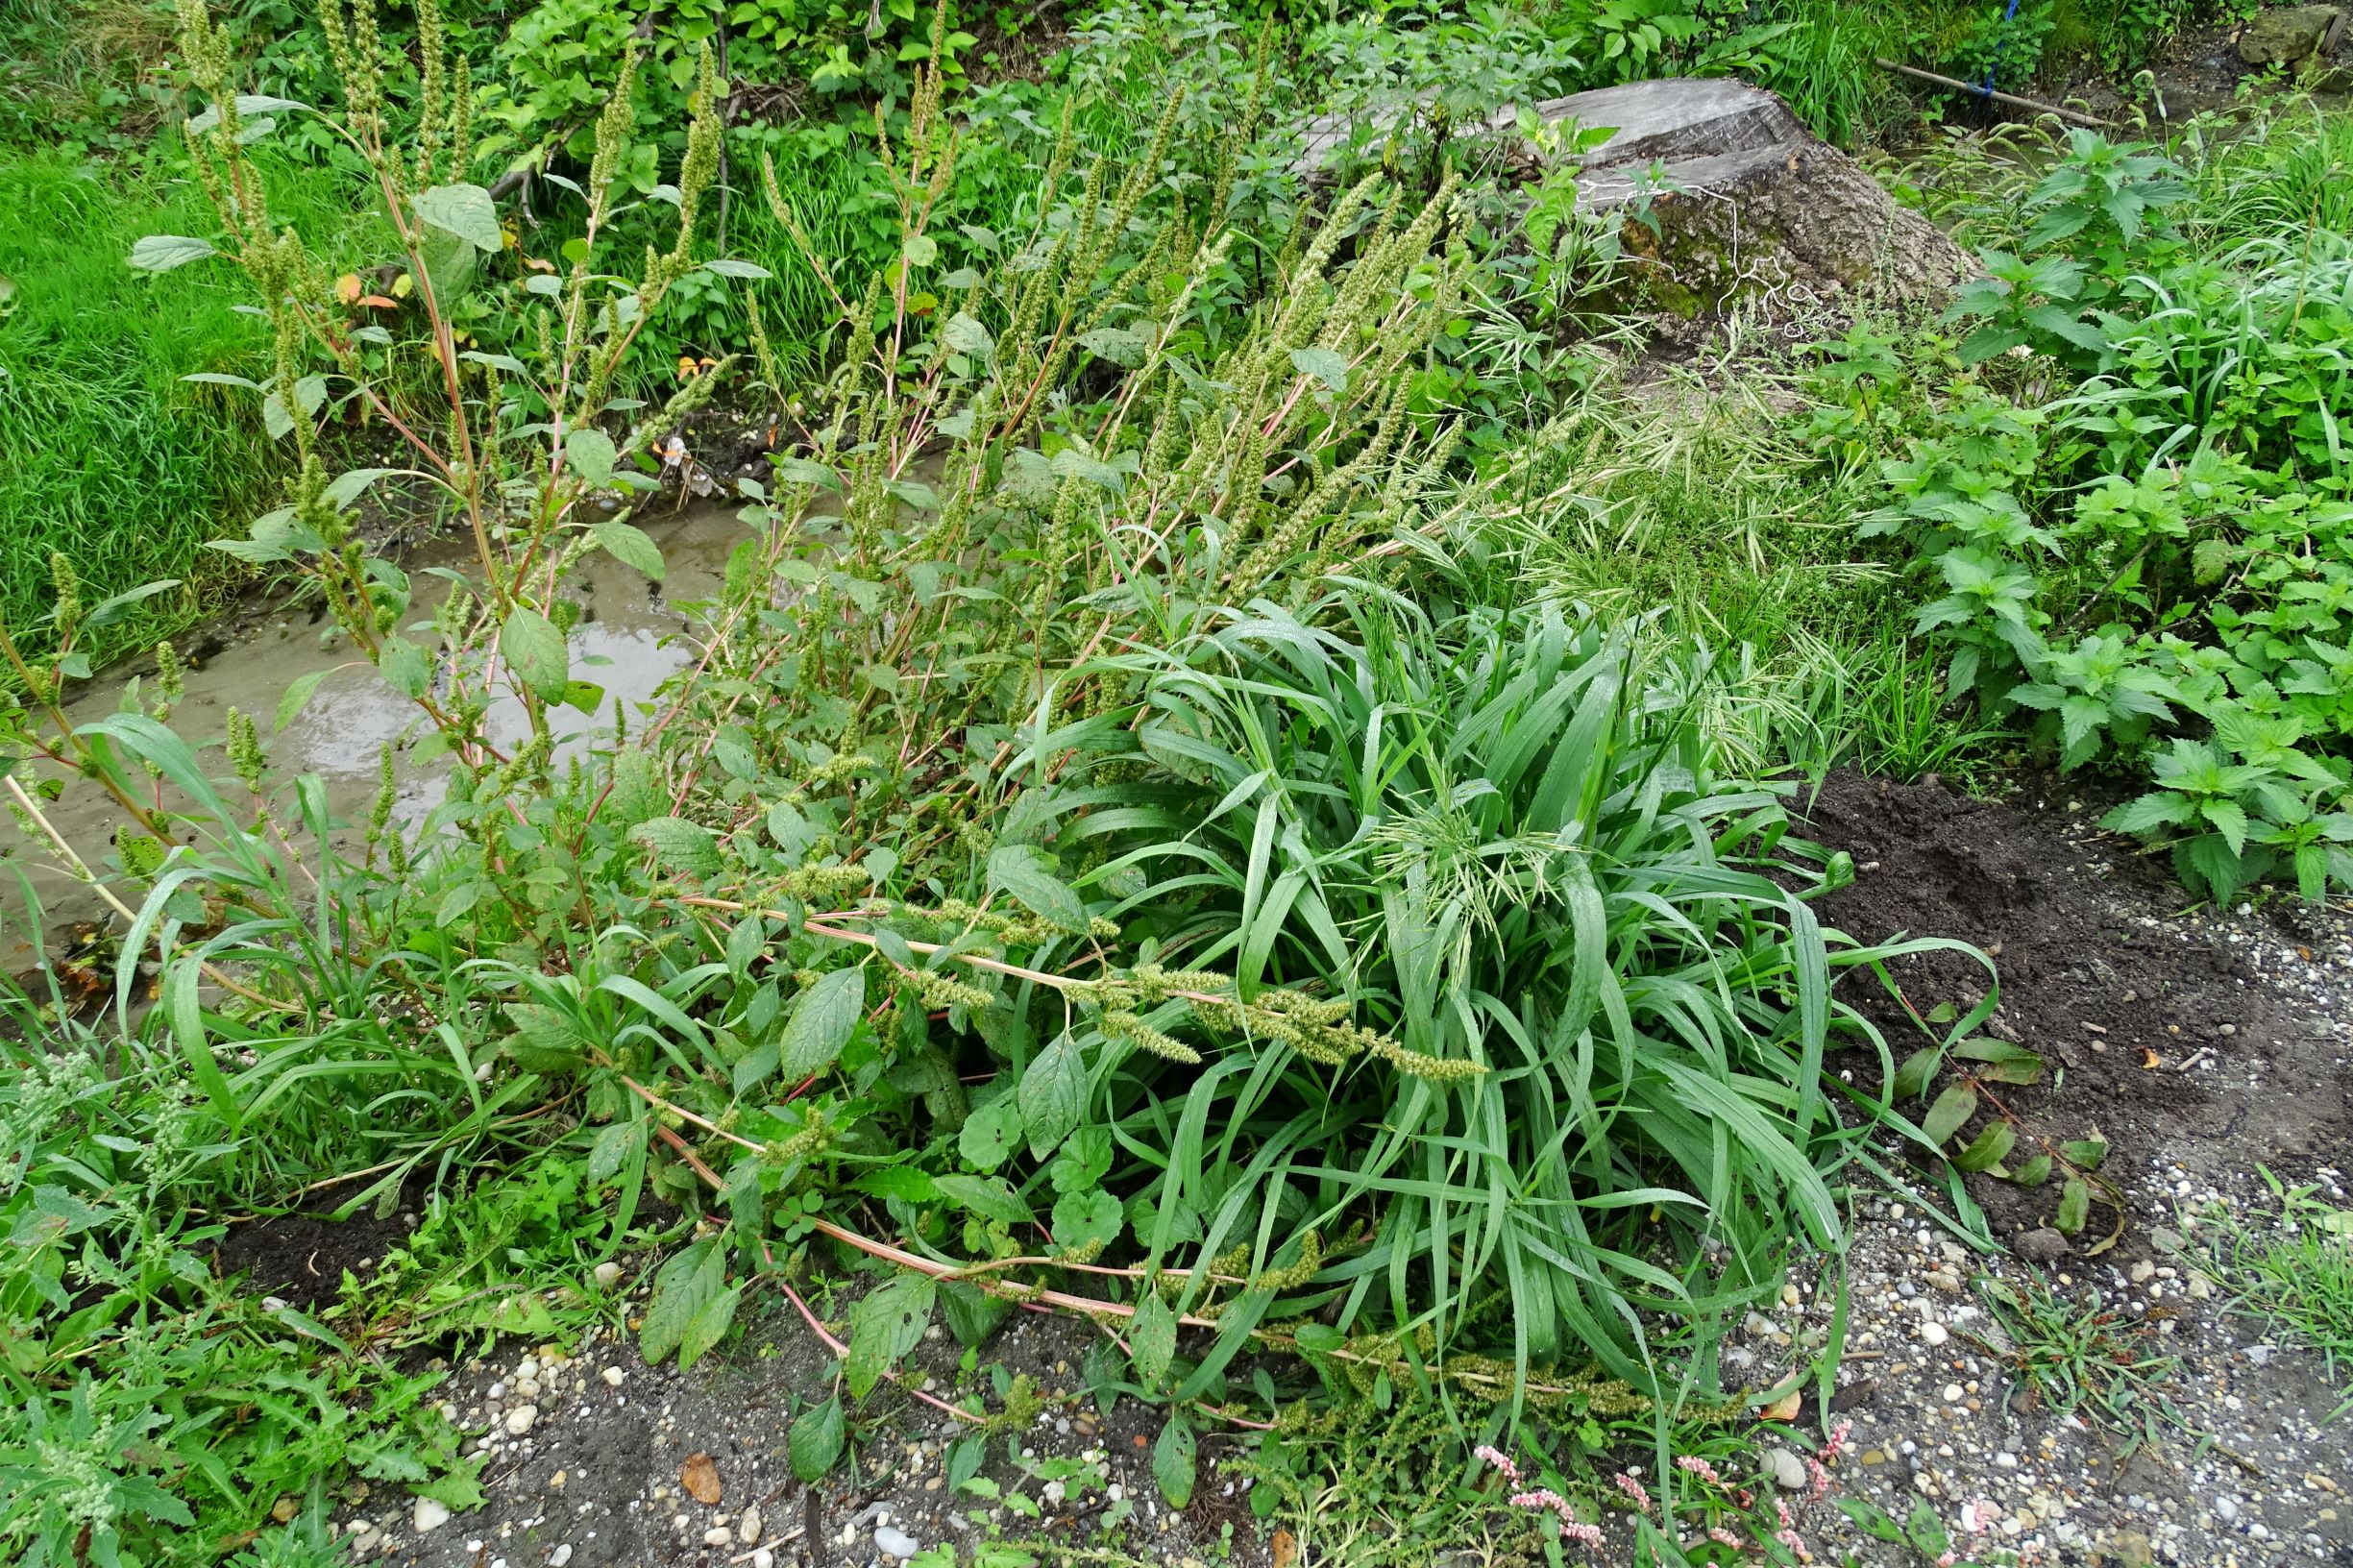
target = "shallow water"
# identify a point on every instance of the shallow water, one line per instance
(629, 640)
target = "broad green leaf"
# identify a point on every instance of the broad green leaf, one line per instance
(1323, 365)
(823, 1018)
(2074, 1205)
(988, 1196)
(686, 1284)
(729, 268)
(681, 845)
(1949, 1113)
(1988, 1148)
(1053, 1095)
(535, 650)
(161, 253)
(590, 453)
(816, 1440)
(1918, 1073)
(544, 1039)
(1085, 1224)
(887, 1325)
(1173, 1462)
(1023, 871)
(992, 1134)
(708, 1326)
(2034, 1172)
(298, 693)
(1152, 1337)
(630, 546)
(464, 211)
(2085, 1153)
(612, 1150)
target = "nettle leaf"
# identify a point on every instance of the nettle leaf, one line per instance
(992, 1134)
(681, 845)
(536, 652)
(888, 1324)
(1027, 873)
(823, 1018)
(1053, 1095)
(686, 1284)
(1172, 1461)
(464, 211)
(1152, 1338)
(1086, 1222)
(612, 1149)
(544, 1039)
(630, 546)
(816, 1440)
(988, 1197)
(161, 253)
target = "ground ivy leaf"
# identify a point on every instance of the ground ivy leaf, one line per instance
(1086, 1222)
(992, 1134)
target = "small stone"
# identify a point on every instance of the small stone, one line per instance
(1954, 1393)
(609, 1275)
(1787, 1470)
(2143, 1271)
(519, 1419)
(284, 1509)
(612, 1376)
(1789, 1294)
(2041, 1245)
(555, 1482)
(718, 1536)
(428, 1515)
(747, 1527)
(763, 1558)
(896, 1543)
(561, 1556)
(1933, 1333)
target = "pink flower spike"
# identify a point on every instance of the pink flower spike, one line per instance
(1692, 1464)
(1632, 1489)
(1821, 1477)
(1497, 1458)
(1587, 1534)
(1725, 1537)
(1838, 1440)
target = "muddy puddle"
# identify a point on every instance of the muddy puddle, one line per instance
(632, 636)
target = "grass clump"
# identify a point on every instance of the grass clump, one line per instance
(2297, 1274)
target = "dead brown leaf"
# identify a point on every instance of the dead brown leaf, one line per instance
(1786, 1407)
(1285, 1548)
(700, 1479)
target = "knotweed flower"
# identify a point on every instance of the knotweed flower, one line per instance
(1633, 1491)
(1692, 1464)
(1497, 1458)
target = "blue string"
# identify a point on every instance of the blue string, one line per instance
(2000, 41)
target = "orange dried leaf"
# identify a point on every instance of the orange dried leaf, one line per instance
(700, 1479)
(378, 302)
(1285, 1549)
(1786, 1407)
(2150, 1061)
(348, 287)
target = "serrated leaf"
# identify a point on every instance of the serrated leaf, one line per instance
(1152, 1338)
(2074, 1205)
(888, 1324)
(708, 1326)
(544, 1039)
(902, 1182)
(536, 651)
(161, 253)
(630, 546)
(612, 1150)
(1324, 365)
(1949, 1113)
(823, 1018)
(992, 1134)
(816, 1440)
(1053, 1095)
(464, 211)
(684, 1287)
(406, 667)
(678, 845)
(1172, 1461)
(1021, 871)
(988, 1196)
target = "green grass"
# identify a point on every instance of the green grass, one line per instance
(105, 453)
(2296, 1275)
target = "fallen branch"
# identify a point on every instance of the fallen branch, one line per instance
(2076, 114)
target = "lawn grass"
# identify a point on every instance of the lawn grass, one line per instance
(106, 452)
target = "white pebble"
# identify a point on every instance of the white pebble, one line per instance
(763, 1558)
(609, 1275)
(612, 1376)
(1934, 1333)
(896, 1543)
(519, 1419)
(428, 1515)
(561, 1556)
(718, 1536)
(747, 1527)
